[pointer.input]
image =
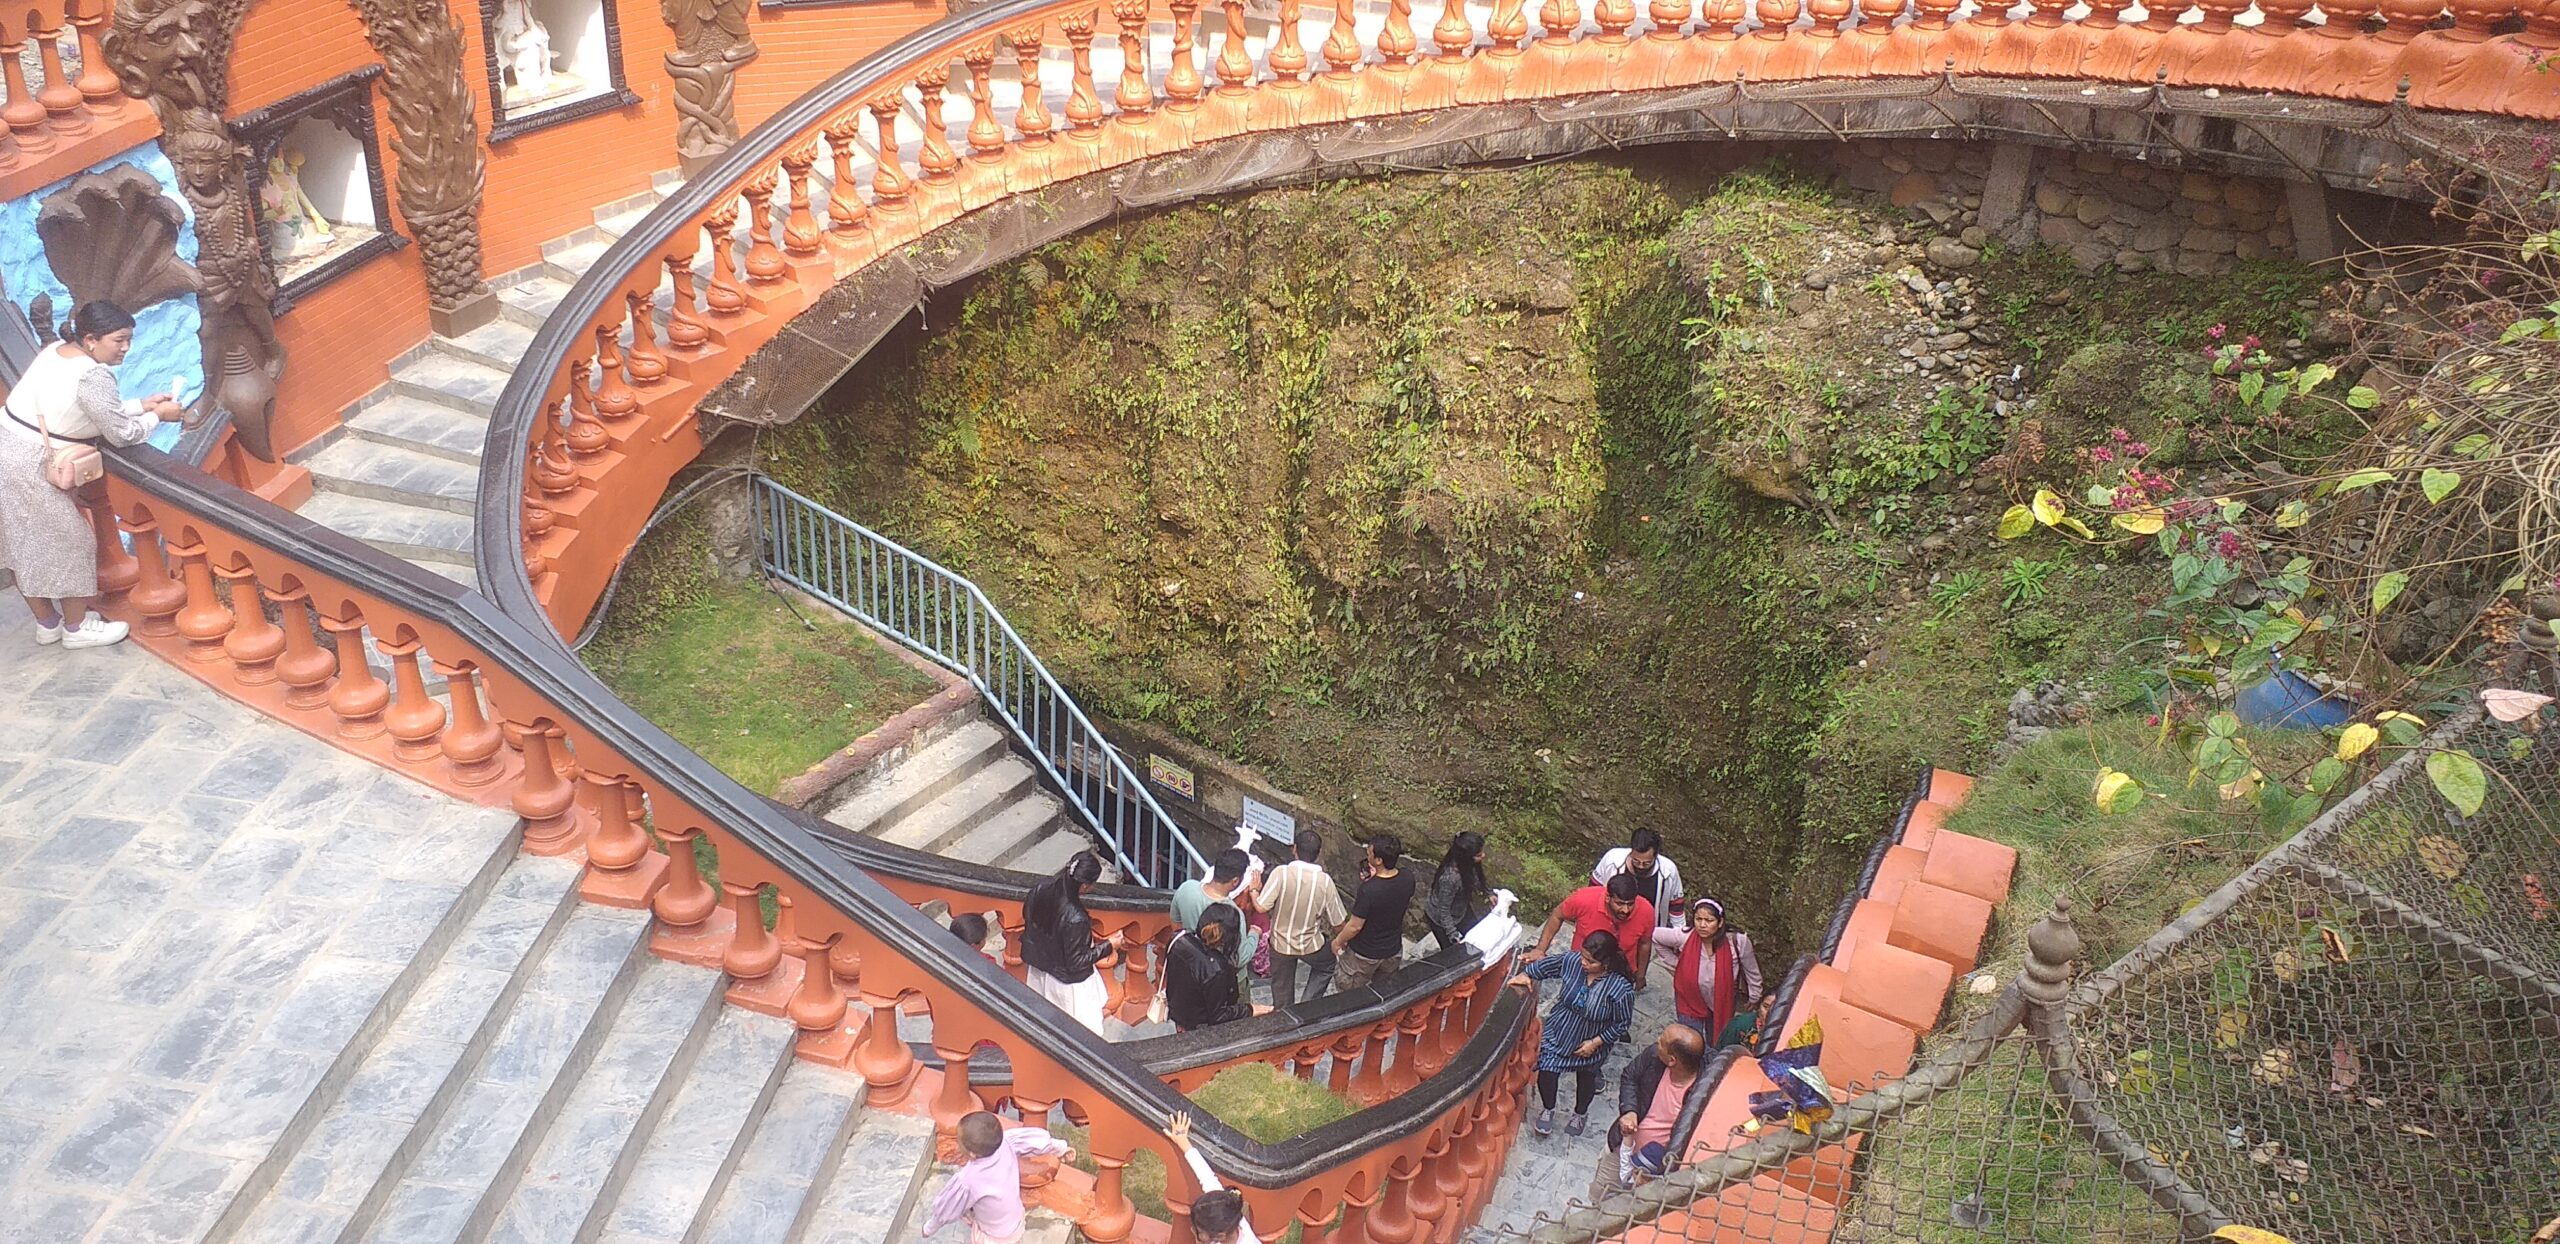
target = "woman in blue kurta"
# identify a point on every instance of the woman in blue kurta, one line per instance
(1596, 998)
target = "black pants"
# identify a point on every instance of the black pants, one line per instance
(1586, 1085)
(1284, 976)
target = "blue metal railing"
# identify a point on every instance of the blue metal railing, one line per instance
(944, 616)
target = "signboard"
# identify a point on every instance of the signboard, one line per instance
(1268, 821)
(1171, 776)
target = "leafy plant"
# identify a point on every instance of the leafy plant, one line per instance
(2026, 582)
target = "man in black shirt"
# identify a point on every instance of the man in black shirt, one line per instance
(1372, 940)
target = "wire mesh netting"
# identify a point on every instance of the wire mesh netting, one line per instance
(2356, 1039)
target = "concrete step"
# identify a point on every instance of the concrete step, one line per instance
(450, 380)
(529, 302)
(1001, 837)
(421, 427)
(873, 1192)
(498, 344)
(960, 809)
(421, 1063)
(616, 224)
(422, 536)
(921, 778)
(532, 1065)
(587, 1156)
(568, 263)
(1052, 851)
(774, 1191)
(389, 473)
(686, 1166)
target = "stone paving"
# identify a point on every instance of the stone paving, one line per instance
(200, 912)
(1542, 1176)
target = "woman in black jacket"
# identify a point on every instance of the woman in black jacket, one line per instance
(1059, 951)
(1200, 971)
(1456, 898)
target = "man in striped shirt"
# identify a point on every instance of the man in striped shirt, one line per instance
(1305, 909)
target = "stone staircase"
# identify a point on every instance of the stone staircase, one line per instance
(965, 796)
(549, 1081)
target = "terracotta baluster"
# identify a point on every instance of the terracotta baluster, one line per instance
(2218, 15)
(1668, 16)
(537, 525)
(1475, 1147)
(845, 208)
(845, 961)
(471, 745)
(1346, 1052)
(1182, 76)
(1113, 1214)
(117, 569)
(686, 900)
(1777, 17)
(645, 365)
(1718, 20)
(614, 399)
(1933, 14)
(954, 1098)
(1234, 63)
(986, 134)
(1288, 57)
(1034, 1110)
(765, 264)
(1135, 98)
(1140, 989)
(23, 115)
(415, 719)
(543, 798)
(1424, 1196)
(1354, 1227)
(202, 619)
(2541, 25)
(1613, 17)
(305, 667)
(1032, 119)
(358, 698)
(2406, 19)
(935, 160)
(1453, 32)
(818, 1004)
(799, 224)
(888, 179)
(884, 1060)
(1395, 39)
(2102, 15)
(2047, 14)
(1084, 104)
(753, 952)
(1448, 1166)
(97, 85)
(59, 99)
(1557, 20)
(724, 298)
(2473, 20)
(1341, 48)
(1392, 1222)
(555, 474)
(254, 643)
(1828, 15)
(1507, 27)
(620, 839)
(2164, 14)
(1369, 1084)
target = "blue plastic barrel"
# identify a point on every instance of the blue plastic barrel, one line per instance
(2291, 701)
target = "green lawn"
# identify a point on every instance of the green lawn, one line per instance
(1263, 1102)
(735, 675)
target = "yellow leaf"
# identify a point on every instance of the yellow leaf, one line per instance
(2356, 740)
(2273, 1067)
(2075, 527)
(2243, 787)
(2443, 856)
(2287, 964)
(2249, 1235)
(2148, 520)
(2229, 1026)
(2411, 718)
(2116, 791)
(2017, 522)
(2047, 507)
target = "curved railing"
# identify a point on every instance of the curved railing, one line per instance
(534, 732)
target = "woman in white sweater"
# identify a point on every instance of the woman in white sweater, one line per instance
(67, 395)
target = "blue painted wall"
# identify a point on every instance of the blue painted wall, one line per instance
(164, 334)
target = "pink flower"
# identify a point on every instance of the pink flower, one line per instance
(2214, 332)
(2138, 449)
(2102, 454)
(2227, 545)
(2249, 344)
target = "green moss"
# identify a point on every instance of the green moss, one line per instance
(1264, 1103)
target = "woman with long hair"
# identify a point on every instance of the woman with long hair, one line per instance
(67, 398)
(1200, 971)
(1457, 896)
(1715, 985)
(1061, 957)
(1595, 997)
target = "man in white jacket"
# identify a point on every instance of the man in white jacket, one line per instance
(1643, 857)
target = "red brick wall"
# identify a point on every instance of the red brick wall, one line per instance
(801, 48)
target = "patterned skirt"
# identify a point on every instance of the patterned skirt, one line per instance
(44, 539)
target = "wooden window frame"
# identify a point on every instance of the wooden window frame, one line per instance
(345, 102)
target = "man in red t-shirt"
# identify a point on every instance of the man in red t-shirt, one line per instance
(1620, 907)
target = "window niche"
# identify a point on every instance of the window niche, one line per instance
(551, 61)
(315, 175)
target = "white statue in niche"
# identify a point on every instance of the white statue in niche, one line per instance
(295, 227)
(524, 43)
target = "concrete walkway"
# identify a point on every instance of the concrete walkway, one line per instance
(200, 910)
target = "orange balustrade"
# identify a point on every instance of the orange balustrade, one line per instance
(72, 111)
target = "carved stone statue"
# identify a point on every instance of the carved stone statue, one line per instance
(524, 46)
(114, 235)
(295, 227)
(236, 290)
(711, 47)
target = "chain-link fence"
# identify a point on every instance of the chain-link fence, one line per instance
(2355, 1040)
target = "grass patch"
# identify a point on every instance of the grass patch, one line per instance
(2126, 874)
(1260, 1101)
(733, 674)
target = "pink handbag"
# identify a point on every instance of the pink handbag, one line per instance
(69, 464)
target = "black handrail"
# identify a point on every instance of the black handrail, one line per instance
(834, 871)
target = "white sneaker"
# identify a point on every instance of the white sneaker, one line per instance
(48, 633)
(94, 632)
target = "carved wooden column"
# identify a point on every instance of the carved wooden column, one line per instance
(415, 718)
(685, 901)
(254, 643)
(305, 667)
(358, 698)
(472, 745)
(543, 797)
